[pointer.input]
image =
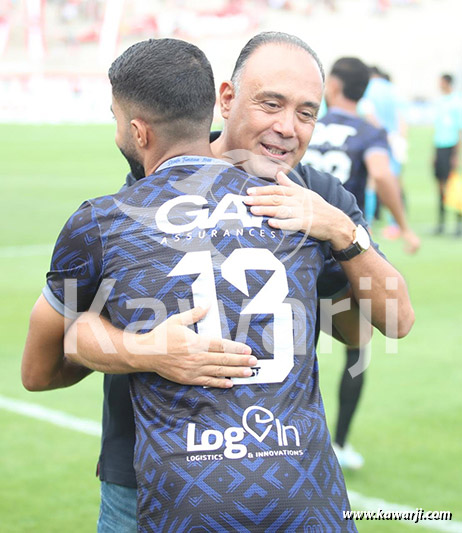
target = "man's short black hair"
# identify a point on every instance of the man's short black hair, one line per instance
(354, 75)
(448, 78)
(271, 37)
(170, 80)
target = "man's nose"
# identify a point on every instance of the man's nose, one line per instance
(285, 124)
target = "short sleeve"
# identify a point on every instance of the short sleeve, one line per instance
(377, 141)
(76, 264)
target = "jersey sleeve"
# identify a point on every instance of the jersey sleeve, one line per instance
(377, 142)
(332, 282)
(77, 258)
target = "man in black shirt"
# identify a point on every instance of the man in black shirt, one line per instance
(118, 431)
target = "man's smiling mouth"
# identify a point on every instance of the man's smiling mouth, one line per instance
(273, 150)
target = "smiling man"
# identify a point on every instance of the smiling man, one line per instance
(246, 457)
(282, 120)
(271, 104)
(270, 108)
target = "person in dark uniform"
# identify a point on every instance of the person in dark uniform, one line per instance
(352, 150)
(307, 115)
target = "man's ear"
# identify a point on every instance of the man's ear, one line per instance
(141, 132)
(227, 95)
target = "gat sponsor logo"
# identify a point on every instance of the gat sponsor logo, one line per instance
(230, 207)
(256, 421)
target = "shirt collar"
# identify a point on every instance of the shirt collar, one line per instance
(191, 160)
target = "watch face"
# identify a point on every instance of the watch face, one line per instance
(362, 238)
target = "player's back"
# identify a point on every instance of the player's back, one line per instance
(238, 459)
(339, 146)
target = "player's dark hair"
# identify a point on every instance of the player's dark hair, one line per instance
(169, 80)
(354, 75)
(448, 78)
(271, 37)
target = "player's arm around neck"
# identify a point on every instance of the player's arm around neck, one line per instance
(292, 207)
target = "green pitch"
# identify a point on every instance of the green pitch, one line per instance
(409, 423)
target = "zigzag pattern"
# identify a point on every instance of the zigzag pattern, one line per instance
(259, 456)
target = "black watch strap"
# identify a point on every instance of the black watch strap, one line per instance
(348, 253)
(360, 244)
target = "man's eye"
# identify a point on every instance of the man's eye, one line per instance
(307, 115)
(272, 105)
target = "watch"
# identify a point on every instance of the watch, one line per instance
(361, 242)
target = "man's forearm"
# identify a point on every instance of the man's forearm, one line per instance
(44, 366)
(377, 283)
(66, 375)
(349, 326)
(291, 207)
(52, 375)
(95, 343)
(171, 349)
(389, 194)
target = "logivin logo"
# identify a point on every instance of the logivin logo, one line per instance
(256, 421)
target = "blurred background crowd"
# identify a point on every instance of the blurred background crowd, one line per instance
(55, 53)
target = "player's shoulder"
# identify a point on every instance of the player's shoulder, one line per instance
(368, 133)
(363, 126)
(88, 218)
(372, 135)
(320, 182)
(360, 132)
(200, 179)
(82, 216)
(328, 187)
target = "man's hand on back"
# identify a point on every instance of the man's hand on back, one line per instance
(172, 350)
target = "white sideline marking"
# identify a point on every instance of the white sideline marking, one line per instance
(89, 427)
(365, 503)
(26, 250)
(50, 415)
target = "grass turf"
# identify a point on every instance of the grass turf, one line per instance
(409, 423)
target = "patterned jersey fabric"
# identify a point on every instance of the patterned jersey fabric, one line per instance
(256, 457)
(115, 463)
(340, 145)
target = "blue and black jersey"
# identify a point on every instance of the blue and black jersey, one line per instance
(256, 457)
(115, 463)
(340, 145)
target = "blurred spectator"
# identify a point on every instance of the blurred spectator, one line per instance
(447, 140)
(350, 148)
(381, 106)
